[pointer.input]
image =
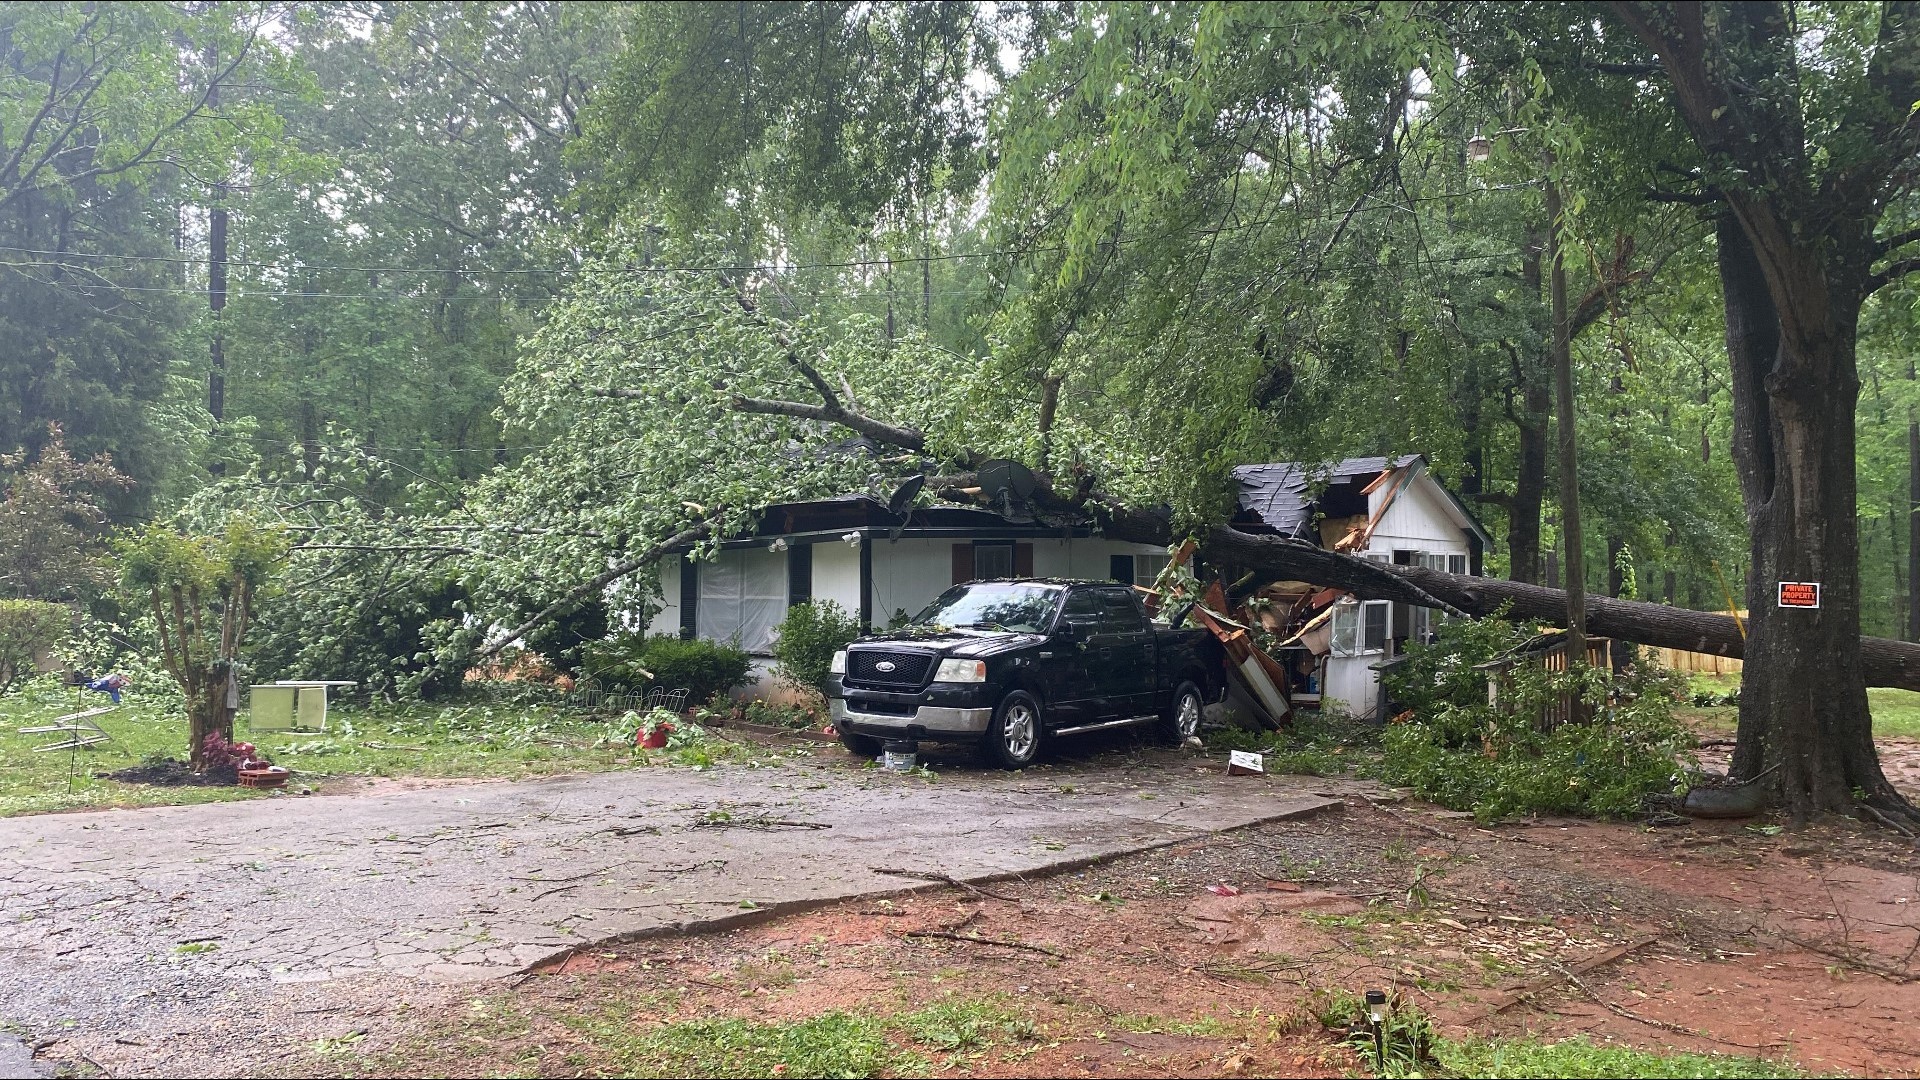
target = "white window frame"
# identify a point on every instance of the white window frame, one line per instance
(1349, 630)
(1147, 568)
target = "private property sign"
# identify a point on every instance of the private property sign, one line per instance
(1800, 594)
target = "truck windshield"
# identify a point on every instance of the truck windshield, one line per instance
(1025, 609)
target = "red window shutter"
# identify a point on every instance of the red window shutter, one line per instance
(962, 563)
(1023, 560)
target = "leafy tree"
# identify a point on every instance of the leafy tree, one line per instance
(201, 591)
(1796, 122)
(29, 630)
(104, 119)
(51, 521)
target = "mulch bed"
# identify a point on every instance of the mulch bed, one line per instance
(173, 772)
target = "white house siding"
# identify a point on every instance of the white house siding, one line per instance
(907, 575)
(836, 574)
(1419, 519)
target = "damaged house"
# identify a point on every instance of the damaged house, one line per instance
(1390, 510)
(884, 563)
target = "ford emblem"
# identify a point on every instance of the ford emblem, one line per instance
(884, 665)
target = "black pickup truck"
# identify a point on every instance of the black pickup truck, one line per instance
(1012, 664)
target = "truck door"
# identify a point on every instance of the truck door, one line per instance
(1125, 664)
(1068, 659)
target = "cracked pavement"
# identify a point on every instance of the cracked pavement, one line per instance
(114, 923)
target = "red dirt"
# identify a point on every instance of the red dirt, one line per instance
(1765, 945)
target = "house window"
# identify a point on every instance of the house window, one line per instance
(992, 561)
(1147, 568)
(743, 597)
(1456, 564)
(985, 560)
(1361, 628)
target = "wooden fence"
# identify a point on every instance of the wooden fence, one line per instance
(1696, 663)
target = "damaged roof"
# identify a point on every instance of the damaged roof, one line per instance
(1278, 492)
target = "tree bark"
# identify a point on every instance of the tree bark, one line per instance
(1803, 702)
(1884, 662)
(1913, 523)
(1530, 467)
(1562, 352)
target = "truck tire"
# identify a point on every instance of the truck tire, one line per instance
(1013, 739)
(865, 746)
(1182, 719)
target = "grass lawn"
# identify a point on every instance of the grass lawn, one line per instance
(1896, 713)
(466, 739)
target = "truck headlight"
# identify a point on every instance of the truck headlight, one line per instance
(961, 671)
(839, 665)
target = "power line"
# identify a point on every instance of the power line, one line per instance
(287, 294)
(844, 264)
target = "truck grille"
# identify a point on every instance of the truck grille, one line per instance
(909, 669)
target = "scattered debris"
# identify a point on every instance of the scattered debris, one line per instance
(1246, 763)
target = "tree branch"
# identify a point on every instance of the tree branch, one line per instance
(600, 581)
(1893, 272)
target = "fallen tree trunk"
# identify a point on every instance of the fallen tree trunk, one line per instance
(1273, 558)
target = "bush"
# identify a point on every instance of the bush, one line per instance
(1456, 749)
(701, 667)
(28, 628)
(809, 636)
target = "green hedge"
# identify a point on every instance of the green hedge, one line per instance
(701, 667)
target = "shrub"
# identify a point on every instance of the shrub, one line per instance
(28, 628)
(701, 667)
(1456, 749)
(809, 636)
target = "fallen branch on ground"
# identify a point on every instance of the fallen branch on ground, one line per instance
(1848, 957)
(1677, 1029)
(945, 879)
(984, 941)
(1510, 998)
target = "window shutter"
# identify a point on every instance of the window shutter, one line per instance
(1120, 568)
(1023, 560)
(689, 597)
(799, 575)
(962, 563)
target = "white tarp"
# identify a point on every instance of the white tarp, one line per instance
(743, 597)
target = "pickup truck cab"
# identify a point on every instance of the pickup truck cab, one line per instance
(1011, 665)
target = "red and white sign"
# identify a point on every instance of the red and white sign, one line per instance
(1800, 594)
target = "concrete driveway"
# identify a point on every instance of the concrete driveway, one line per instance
(103, 914)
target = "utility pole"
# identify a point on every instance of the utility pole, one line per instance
(1576, 575)
(216, 278)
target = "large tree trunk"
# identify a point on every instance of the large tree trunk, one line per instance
(1803, 705)
(1884, 662)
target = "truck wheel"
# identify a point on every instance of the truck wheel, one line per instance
(1013, 739)
(865, 746)
(1182, 719)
